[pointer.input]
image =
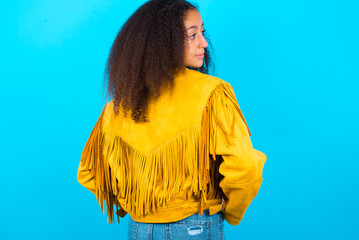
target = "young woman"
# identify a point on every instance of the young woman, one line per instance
(172, 147)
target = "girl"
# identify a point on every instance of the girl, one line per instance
(172, 147)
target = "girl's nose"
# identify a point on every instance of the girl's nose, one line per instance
(203, 43)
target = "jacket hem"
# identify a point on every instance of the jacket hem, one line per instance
(166, 215)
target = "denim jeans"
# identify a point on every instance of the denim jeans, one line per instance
(193, 227)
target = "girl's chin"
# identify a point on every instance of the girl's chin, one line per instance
(196, 65)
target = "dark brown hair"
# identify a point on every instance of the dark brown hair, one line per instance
(146, 54)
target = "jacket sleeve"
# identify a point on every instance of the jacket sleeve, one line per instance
(242, 165)
(94, 172)
(90, 155)
(86, 178)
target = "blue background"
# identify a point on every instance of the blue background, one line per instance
(294, 68)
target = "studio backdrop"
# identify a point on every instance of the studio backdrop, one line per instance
(293, 66)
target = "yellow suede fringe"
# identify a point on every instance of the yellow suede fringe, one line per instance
(139, 183)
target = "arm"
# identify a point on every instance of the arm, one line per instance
(86, 178)
(91, 155)
(242, 165)
(94, 173)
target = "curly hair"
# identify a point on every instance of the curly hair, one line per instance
(146, 55)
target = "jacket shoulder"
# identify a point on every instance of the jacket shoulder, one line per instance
(196, 87)
(205, 80)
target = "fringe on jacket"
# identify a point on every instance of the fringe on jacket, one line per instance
(130, 180)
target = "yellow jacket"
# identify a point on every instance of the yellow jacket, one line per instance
(193, 154)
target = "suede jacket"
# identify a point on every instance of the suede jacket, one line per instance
(194, 153)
